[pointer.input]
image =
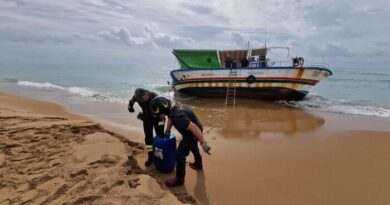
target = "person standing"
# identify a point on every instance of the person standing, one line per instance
(244, 62)
(185, 121)
(143, 97)
(228, 61)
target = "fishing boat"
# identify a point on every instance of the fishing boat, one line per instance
(245, 73)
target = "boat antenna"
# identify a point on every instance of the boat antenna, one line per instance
(249, 53)
(265, 39)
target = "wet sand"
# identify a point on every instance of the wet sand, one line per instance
(51, 156)
(267, 153)
(264, 153)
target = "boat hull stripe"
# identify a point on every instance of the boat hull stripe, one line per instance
(255, 68)
(276, 79)
(244, 81)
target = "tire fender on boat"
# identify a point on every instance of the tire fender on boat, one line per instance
(251, 79)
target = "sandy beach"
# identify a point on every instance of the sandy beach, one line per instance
(293, 98)
(51, 156)
(262, 153)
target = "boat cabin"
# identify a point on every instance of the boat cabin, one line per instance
(221, 59)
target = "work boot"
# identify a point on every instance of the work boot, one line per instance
(195, 166)
(150, 159)
(174, 182)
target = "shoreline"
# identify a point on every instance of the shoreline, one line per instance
(266, 150)
(50, 155)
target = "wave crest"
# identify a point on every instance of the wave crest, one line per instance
(317, 102)
(72, 91)
(40, 85)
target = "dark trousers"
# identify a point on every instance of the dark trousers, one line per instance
(187, 144)
(158, 125)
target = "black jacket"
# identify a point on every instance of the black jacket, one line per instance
(147, 114)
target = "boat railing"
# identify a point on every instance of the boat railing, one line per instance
(269, 63)
(278, 63)
(317, 64)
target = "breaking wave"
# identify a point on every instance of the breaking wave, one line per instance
(312, 100)
(317, 102)
(91, 94)
(40, 85)
(73, 91)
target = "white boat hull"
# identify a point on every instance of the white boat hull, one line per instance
(269, 83)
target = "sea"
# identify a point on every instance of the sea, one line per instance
(351, 91)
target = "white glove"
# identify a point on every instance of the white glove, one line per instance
(206, 148)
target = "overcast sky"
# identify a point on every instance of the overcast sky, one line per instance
(344, 33)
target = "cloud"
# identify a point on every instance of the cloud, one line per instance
(199, 9)
(342, 29)
(331, 50)
(150, 38)
(122, 36)
(23, 36)
(238, 39)
(166, 39)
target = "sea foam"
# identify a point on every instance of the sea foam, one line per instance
(311, 101)
(74, 91)
(317, 102)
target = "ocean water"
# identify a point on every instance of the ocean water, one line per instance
(102, 83)
(349, 90)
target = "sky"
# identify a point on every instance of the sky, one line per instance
(342, 33)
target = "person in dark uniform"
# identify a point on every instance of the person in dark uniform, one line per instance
(244, 62)
(228, 61)
(143, 98)
(185, 121)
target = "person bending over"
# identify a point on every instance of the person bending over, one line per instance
(185, 121)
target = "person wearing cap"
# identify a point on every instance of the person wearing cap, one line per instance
(185, 121)
(143, 97)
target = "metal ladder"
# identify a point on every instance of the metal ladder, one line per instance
(231, 88)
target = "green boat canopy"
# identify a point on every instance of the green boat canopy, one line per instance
(197, 58)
